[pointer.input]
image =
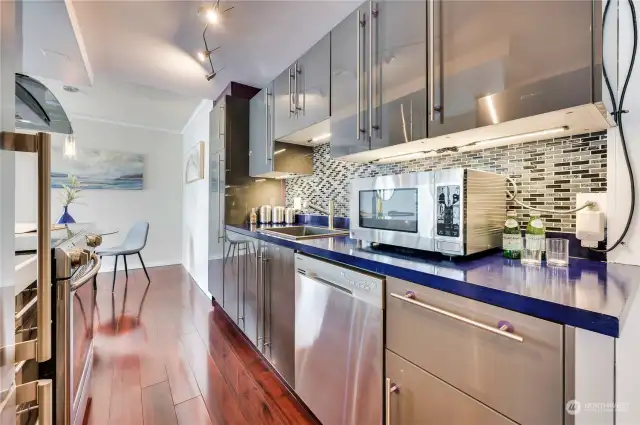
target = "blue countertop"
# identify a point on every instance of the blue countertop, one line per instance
(587, 294)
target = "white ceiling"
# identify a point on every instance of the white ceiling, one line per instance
(52, 44)
(126, 104)
(135, 61)
(154, 43)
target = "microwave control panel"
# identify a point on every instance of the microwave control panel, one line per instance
(448, 214)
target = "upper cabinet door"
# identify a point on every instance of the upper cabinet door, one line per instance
(496, 61)
(260, 133)
(311, 85)
(284, 103)
(349, 42)
(216, 127)
(399, 65)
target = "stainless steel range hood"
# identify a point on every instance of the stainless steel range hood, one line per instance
(38, 109)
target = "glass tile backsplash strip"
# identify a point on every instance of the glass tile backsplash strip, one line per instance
(549, 174)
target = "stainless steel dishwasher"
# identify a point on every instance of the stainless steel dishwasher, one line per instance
(338, 342)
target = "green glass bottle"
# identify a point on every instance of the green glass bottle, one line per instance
(535, 234)
(511, 237)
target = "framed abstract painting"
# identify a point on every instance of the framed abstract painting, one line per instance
(194, 163)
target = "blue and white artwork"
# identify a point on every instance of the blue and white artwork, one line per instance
(98, 169)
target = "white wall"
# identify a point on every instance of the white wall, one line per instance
(158, 203)
(195, 202)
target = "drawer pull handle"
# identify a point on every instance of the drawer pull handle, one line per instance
(410, 298)
(391, 388)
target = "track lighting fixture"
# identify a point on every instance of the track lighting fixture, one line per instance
(206, 54)
(212, 15)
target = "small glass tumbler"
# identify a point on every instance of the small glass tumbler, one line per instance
(531, 253)
(557, 252)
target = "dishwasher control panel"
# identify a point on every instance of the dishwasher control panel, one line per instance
(366, 286)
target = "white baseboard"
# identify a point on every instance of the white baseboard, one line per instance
(133, 263)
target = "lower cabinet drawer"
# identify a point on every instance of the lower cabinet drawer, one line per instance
(518, 373)
(422, 399)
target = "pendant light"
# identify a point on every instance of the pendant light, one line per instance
(69, 147)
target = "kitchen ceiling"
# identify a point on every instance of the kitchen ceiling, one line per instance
(154, 43)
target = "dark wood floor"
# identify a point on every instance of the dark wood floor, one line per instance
(165, 356)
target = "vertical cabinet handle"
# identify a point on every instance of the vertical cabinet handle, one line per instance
(374, 123)
(258, 297)
(298, 73)
(220, 197)
(432, 68)
(291, 107)
(389, 389)
(361, 22)
(221, 121)
(370, 82)
(266, 125)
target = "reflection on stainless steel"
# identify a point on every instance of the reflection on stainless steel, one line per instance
(338, 339)
(76, 265)
(303, 232)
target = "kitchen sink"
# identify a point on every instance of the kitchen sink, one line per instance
(303, 232)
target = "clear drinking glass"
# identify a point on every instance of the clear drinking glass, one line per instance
(531, 255)
(557, 251)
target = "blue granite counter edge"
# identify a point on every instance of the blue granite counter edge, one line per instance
(559, 313)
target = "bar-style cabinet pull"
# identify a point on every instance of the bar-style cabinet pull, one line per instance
(298, 72)
(373, 15)
(410, 298)
(266, 126)
(361, 22)
(389, 389)
(221, 119)
(432, 68)
(291, 103)
(220, 195)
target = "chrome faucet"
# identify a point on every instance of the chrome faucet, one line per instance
(330, 213)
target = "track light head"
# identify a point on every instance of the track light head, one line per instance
(211, 75)
(210, 13)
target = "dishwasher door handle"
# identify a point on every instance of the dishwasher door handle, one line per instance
(322, 281)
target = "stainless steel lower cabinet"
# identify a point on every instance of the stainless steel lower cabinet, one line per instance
(415, 397)
(507, 360)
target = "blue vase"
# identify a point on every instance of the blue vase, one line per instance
(65, 218)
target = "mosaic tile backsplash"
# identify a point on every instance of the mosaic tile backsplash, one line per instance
(549, 173)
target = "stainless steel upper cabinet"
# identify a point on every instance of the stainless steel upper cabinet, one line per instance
(349, 42)
(284, 103)
(398, 62)
(302, 91)
(216, 127)
(496, 61)
(261, 132)
(312, 85)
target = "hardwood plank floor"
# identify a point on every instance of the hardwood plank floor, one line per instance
(157, 405)
(193, 412)
(165, 356)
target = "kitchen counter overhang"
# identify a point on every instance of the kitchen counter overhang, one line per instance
(591, 295)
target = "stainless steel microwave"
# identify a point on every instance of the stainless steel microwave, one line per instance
(456, 212)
